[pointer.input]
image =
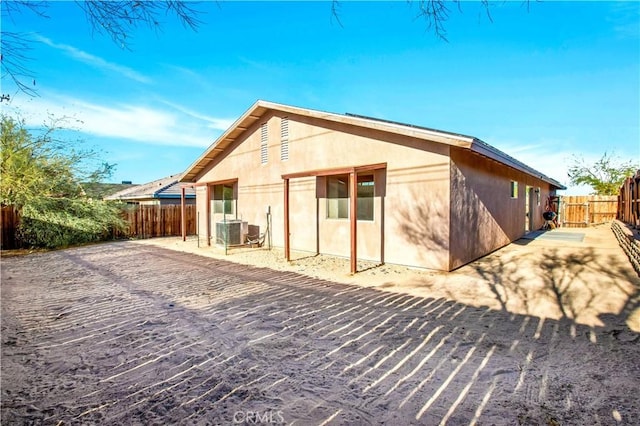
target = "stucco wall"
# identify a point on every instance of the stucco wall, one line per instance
(201, 203)
(484, 216)
(414, 225)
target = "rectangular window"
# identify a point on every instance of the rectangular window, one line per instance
(284, 139)
(224, 198)
(338, 197)
(263, 143)
(514, 189)
(365, 197)
(538, 196)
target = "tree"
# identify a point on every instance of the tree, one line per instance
(43, 166)
(605, 176)
(41, 176)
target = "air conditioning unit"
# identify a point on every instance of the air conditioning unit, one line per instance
(231, 232)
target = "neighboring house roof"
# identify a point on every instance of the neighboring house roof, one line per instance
(168, 187)
(99, 190)
(259, 108)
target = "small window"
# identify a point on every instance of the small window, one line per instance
(365, 197)
(514, 189)
(338, 197)
(284, 139)
(538, 196)
(264, 138)
(224, 198)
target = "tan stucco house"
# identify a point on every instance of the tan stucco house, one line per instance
(364, 188)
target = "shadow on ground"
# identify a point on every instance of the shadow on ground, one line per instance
(122, 333)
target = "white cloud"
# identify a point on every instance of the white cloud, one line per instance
(545, 157)
(126, 121)
(214, 123)
(95, 61)
(624, 18)
(552, 158)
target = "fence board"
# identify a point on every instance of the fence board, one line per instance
(580, 211)
(629, 201)
(148, 221)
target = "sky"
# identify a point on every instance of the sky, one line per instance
(544, 81)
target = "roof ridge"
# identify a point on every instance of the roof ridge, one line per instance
(260, 107)
(148, 188)
(413, 126)
(167, 186)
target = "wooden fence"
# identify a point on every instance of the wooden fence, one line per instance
(10, 219)
(629, 201)
(158, 221)
(144, 222)
(581, 211)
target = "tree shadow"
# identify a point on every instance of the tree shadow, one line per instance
(492, 272)
(423, 223)
(580, 285)
(560, 272)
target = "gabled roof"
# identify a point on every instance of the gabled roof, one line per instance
(168, 187)
(99, 190)
(258, 109)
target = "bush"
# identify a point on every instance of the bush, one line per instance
(63, 222)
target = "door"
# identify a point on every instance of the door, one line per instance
(529, 203)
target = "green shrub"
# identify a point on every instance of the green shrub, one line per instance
(63, 222)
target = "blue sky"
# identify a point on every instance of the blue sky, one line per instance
(542, 83)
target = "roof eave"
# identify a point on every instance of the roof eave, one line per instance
(167, 196)
(494, 153)
(258, 109)
(242, 123)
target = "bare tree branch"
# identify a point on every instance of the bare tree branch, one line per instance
(11, 8)
(335, 5)
(15, 47)
(485, 4)
(436, 13)
(118, 19)
(15, 62)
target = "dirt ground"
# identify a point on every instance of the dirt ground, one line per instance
(542, 332)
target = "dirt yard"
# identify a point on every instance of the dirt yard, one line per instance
(542, 332)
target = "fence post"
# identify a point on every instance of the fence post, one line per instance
(9, 221)
(586, 214)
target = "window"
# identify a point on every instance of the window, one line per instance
(365, 197)
(284, 139)
(224, 198)
(338, 197)
(538, 196)
(514, 189)
(263, 143)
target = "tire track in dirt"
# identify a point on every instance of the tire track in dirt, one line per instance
(119, 333)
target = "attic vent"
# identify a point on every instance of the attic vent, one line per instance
(263, 143)
(284, 139)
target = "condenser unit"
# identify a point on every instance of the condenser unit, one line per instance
(231, 232)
